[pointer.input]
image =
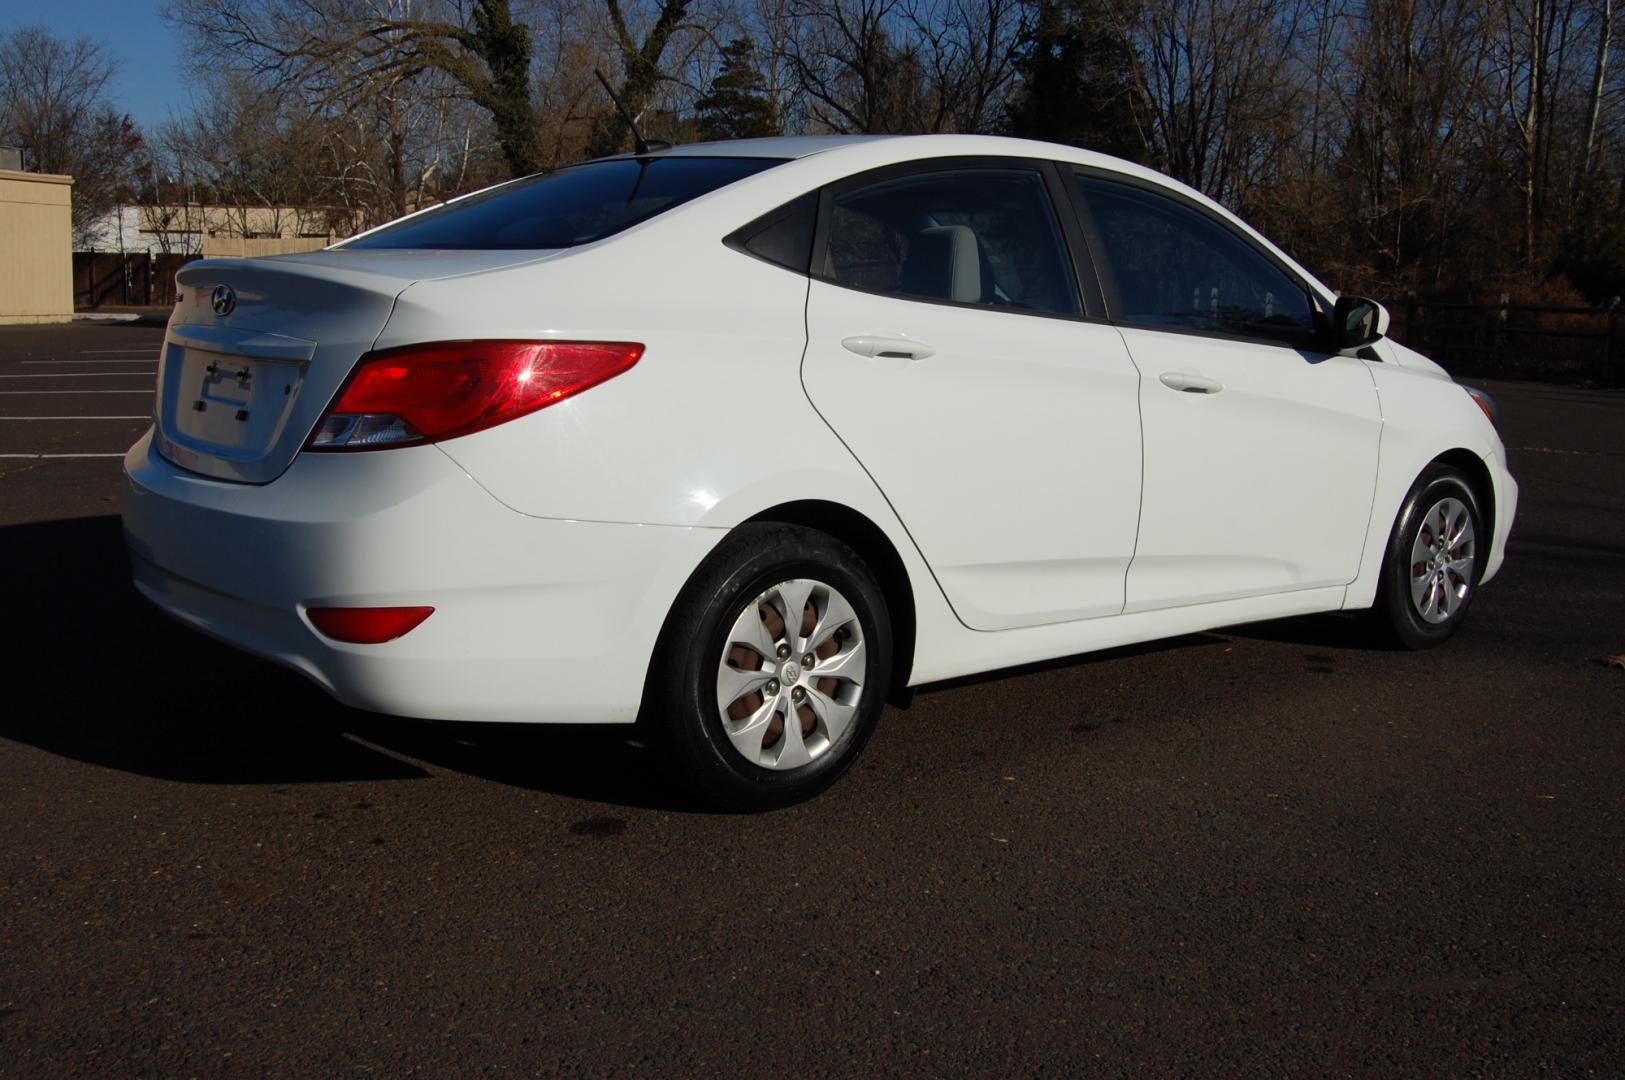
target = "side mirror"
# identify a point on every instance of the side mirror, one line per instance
(1356, 321)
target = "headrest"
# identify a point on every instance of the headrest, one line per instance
(945, 263)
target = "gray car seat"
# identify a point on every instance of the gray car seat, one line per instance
(945, 262)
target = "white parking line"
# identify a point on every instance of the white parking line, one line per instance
(80, 375)
(36, 456)
(75, 417)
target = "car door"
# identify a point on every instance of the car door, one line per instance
(1260, 449)
(948, 347)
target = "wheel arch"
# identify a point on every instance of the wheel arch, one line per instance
(875, 548)
(1395, 482)
(1478, 474)
(857, 531)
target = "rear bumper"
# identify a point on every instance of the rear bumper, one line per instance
(535, 619)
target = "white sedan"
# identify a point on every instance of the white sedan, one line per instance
(745, 439)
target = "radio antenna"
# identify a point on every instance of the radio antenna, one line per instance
(640, 146)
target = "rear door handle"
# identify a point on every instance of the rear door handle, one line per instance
(1187, 383)
(891, 347)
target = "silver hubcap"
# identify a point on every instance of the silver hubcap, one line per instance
(791, 674)
(1442, 561)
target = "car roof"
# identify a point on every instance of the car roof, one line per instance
(902, 148)
(786, 146)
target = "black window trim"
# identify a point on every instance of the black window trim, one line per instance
(1106, 275)
(1087, 288)
(740, 238)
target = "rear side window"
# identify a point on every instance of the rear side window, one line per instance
(574, 205)
(783, 237)
(968, 236)
(1177, 268)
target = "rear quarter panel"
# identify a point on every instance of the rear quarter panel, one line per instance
(710, 428)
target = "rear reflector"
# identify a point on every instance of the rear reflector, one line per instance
(366, 625)
(425, 393)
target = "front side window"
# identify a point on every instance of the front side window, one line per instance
(1176, 268)
(968, 236)
(572, 206)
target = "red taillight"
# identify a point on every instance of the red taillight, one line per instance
(366, 625)
(424, 393)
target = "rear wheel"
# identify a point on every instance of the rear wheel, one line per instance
(773, 668)
(1433, 561)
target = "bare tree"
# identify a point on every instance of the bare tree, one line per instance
(640, 56)
(54, 106)
(1425, 145)
(853, 75)
(342, 50)
(1418, 88)
(1534, 55)
(569, 43)
(245, 155)
(897, 66)
(1216, 101)
(411, 142)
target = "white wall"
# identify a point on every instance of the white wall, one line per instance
(129, 230)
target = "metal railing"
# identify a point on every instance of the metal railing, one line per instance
(1569, 344)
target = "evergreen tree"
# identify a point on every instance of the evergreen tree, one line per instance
(736, 106)
(1077, 83)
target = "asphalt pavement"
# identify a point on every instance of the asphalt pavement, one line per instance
(1276, 850)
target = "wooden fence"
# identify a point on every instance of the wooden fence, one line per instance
(1569, 344)
(130, 280)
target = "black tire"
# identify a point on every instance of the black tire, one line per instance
(681, 706)
(1396, 601)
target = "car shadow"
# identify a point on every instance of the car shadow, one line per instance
(1337, 630)
(1101, 656)
(101, 676)
(1333, 630)
(599, 763)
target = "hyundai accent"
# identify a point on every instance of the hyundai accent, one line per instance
(741, 440)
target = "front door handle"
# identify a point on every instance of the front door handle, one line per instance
(1187, 383)
(892, 347)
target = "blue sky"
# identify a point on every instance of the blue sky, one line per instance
(150, 85)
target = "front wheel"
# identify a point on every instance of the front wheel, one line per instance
(773, 668)
(1433, 561)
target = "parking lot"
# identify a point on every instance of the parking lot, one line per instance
(72, 400)
(1279, 849)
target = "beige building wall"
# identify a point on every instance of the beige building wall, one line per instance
(218, 231)
(236, 247)
(253, 231)
(36, 247)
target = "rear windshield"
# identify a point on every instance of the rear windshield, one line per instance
(575, 205)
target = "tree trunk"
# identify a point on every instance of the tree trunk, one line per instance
(1531, 129)
(505, 47)
(640, 73)
(1588, 146)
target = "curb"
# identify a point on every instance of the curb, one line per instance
(135, 317)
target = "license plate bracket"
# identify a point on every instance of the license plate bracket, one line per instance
(230, 405)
